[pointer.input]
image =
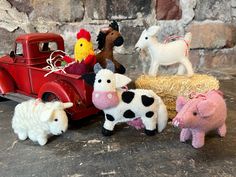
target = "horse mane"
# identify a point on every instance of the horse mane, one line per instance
(114, 25)
(101, 38)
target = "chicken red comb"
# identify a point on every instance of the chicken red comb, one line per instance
(84, 34)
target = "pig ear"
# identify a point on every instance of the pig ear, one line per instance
(180, 102)
(206, 108)
(121, 80)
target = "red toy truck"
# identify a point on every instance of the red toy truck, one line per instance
(22, 75)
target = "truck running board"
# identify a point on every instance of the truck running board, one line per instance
(16, 97)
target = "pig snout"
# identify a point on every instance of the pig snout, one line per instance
(177, 122)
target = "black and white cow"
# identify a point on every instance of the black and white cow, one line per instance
(120, 105)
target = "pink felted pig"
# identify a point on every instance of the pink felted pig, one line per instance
(199, 115)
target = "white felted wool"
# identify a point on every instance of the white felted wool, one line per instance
(36, 120)
(131, 103)
(152, 30)
(165, 53)
(105, 86)
(136, 106)
(121, 80)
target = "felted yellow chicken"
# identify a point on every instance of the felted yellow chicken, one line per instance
(83, 54)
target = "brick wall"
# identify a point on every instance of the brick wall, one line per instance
(211, 22)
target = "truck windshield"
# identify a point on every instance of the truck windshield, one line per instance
(47, 46)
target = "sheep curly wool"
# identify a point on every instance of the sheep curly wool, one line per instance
(36, 120)
(169, 87)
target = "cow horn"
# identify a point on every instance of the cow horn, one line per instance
(110, 65)
(97, 67)
(145, 24)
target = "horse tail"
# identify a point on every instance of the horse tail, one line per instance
(162, 114)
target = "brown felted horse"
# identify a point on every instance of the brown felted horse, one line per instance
(107, 39)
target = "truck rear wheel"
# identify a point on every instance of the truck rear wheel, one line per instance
(47, 97)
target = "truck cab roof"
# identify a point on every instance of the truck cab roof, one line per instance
(35, 37)
(37, 47)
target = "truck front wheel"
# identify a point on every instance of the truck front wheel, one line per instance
(3, 99)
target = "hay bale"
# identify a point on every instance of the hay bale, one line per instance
(169, 87)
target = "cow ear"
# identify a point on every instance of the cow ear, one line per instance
(89, 78)
(180, 102)
(97, 67)
(46, 114)
(153, 30)
(110, 65)
(206, 108)
(121, 80)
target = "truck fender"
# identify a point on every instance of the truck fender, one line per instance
(7, 83)
(64, 91)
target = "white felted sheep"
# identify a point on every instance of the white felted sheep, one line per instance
(165, 53)
(36, 120)
(120, 105)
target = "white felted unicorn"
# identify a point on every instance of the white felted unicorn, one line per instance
(165, 53)
(36, 120)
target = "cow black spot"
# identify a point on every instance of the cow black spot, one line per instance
(129, 114)
(127, 97)
(110, 117)
(149, 114)
(147, 101)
